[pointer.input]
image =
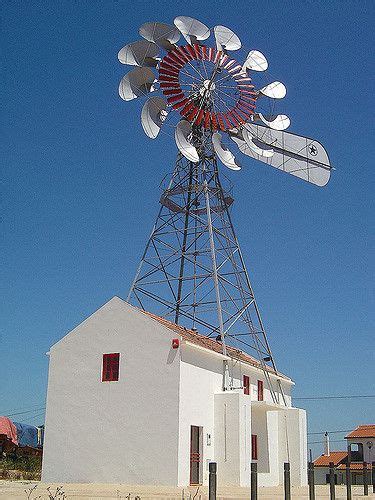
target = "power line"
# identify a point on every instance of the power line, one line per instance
(23, 408)
(335, 397)
(40, 416)
(24, 412)
(321, 442)
(329, 432)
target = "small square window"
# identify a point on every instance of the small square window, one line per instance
(111, 363)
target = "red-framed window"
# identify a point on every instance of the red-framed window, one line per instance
(254, 447)
(246, 384)
(260, 390)
(111, 363)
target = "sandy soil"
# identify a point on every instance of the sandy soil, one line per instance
(15, 490)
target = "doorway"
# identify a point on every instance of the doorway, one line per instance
(196, 435)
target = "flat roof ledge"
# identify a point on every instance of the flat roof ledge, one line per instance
(270, 406)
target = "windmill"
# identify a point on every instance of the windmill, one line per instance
(192, 271)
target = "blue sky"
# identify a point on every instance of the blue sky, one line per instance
(79, 189)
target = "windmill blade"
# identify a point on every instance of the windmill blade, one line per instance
(153, 115)
(192, 29)
(223, 153)
(138, 82)
(226, 39)
(164, 35)
(141, 53)
(299, 156)
(255, 61)
(275, 90)
(182, 136)
(276, 122)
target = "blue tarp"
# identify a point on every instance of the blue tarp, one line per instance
(27, 435)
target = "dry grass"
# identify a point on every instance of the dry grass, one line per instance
(16, 468)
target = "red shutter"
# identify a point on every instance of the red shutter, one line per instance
(260, 390)
(246, 384)
(254, 447)
(111, 364)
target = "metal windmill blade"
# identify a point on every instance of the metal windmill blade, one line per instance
(153, 115)
(141, 53)
(192, 29)
(163, 35)
(138, 82)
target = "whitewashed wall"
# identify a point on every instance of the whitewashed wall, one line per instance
(201, 376)
(281, 438)
(293, 427)
(238, 369)
(227, 438)
(137, 430)
(111, 432)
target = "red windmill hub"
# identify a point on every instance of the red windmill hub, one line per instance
(208, 87)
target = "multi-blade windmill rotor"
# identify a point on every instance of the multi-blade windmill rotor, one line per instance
(192, 270)
(212, 92)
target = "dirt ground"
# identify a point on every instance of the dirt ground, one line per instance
(22, 490)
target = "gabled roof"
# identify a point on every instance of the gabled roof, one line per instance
(212, 344)
(335, 456)
(188, 335)
(362, 431)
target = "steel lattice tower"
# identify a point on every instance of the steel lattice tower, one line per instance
(192, 271)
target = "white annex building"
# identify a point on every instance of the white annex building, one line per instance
(133, 398)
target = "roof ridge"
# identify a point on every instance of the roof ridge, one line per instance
(210, 343)
(362, 431)
(334, 456)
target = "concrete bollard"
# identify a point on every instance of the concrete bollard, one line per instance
(254, 481)
(311, 480)
(348, 479)
(212, 481)
(287, 481)
(365, 480)
(332, 481)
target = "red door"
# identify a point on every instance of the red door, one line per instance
(246, 384)
(260, 390)
(254, 447)
(195, 454)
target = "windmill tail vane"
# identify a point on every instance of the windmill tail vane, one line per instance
(192, 271)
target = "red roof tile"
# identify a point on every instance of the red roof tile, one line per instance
(362, 431)
(335, 456)
(354, 466)
(210, 343)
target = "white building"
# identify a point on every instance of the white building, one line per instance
(362, 443)
(135, 399)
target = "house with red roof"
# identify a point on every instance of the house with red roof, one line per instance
(136, 399)
(360, 443)
(321, 466)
